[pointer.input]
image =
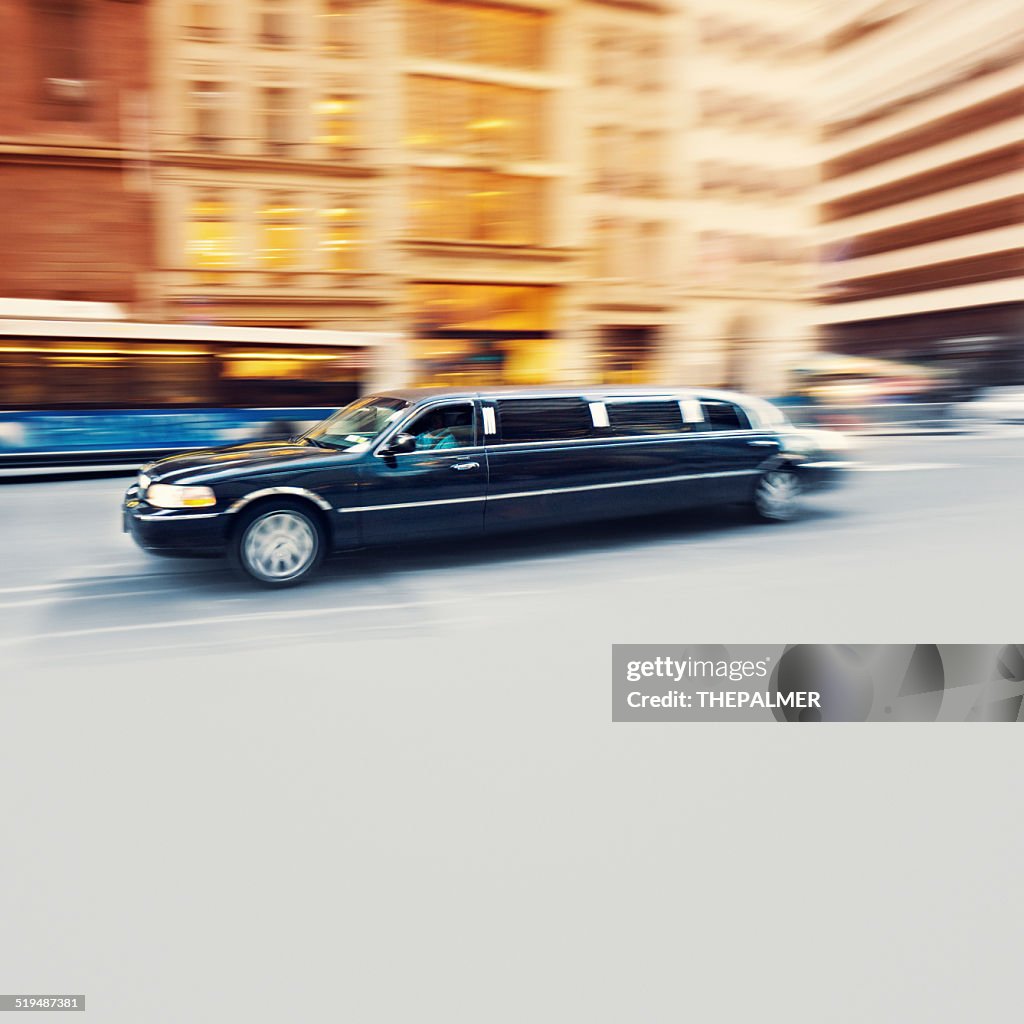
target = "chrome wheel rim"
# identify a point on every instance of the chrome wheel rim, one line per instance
(777, 494)
(280, 545)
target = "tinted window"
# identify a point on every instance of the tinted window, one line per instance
(645, 418)
(725, 416)
(544, 419)
(447, 426)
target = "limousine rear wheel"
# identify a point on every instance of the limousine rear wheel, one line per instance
(777, 495)
(278, 545)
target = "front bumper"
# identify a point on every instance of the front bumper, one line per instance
(173, 531)
(825, 474)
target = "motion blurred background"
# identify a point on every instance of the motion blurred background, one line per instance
(812, 201)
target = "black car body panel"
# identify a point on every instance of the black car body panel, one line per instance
(625, 452)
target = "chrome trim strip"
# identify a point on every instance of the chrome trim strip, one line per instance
(414, 504)
(649, 438)
(553, 490)
(490, 426)
(297, 491)
(151, 518)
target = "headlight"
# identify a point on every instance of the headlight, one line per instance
(143, 482)
(173, 496)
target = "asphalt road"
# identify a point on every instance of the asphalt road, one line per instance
(925, 536)
(396, 794)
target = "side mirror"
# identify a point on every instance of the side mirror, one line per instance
(400, 444)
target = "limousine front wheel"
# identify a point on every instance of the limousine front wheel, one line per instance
(278, 546)
(777, 495)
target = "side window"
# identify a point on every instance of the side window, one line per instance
(544, 419)
(445, 426)
(724, 416)
(627, 418)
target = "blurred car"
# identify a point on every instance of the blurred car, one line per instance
(416, 465)
(993, 405)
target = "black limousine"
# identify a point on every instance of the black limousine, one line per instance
(415, 464)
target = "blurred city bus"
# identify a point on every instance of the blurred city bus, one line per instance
(87, 391)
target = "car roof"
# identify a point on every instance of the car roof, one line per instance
(595, 391)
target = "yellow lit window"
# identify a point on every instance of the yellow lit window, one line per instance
(337, 118)
(281, 234)
(343, 236)
(210, 243)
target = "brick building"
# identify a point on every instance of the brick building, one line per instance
(73, 176)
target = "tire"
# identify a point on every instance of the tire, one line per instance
(777, 495)
(278, 545)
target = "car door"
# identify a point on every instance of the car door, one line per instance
(652, 451)
(733, 452)
(546, 465)
(437, 490)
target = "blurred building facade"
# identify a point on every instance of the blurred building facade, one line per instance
(922, 197)
(74, 196)
(752, 68)
(536, 190)
(531, 191)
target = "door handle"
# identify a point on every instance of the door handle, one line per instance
(765, 444)
(466, 465)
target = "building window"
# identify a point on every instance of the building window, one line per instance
(61, 46)
(203, 19)
(647, 163)
(652, 251)
(210, 239)
(498, 36)
(281, 233)
(339, 28)
(207, 106)
(650, 73)
(343, 238)
(275, 22)
(604, 68)
(476, 206)
(278, 117)
(337, 117)
(497, 121)
(607, 247)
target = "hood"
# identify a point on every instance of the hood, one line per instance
(236, 460)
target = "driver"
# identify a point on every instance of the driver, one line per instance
(433, 433)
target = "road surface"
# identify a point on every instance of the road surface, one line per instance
(396, 794)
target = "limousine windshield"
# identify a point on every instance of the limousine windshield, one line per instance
(357, 424)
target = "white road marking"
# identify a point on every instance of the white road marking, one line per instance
(902, 467)
(59, 599)
(220, 620)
